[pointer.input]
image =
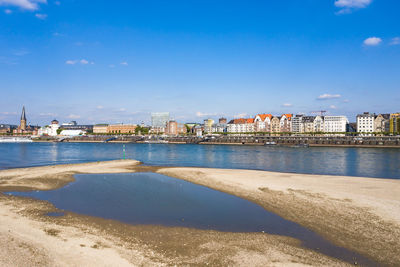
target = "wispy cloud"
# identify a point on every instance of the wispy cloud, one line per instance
(111, 66)
(73, 116)
(57, 34)
(99, 107)
(20, 53)
(328, 96)
(24, 4)
(8, 11)
(8, 113)
(332, 107)
(124, 63)
(81, 61)
(372, 41)
(287, 105)
(240, 115)
(49, 114)
(204, 114)
(347, 6)
(395, 41)
(41, 16)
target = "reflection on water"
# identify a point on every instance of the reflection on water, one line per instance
(155, 199)
(368, 162)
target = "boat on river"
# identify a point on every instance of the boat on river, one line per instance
(15, 140)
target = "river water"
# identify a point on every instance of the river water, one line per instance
(365, 162)
(155, 199)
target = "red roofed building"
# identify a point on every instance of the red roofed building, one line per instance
(241, 126)
(263, 122)
(286, 123)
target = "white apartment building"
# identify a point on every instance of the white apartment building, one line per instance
(50, 130)
(241, 126)
(335, 124)
(366, 123)
(297, 124)
(319, 124)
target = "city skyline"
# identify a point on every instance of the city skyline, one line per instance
(119, 62)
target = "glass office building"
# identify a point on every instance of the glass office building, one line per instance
(159, 119)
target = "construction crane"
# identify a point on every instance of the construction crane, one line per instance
(321, 112)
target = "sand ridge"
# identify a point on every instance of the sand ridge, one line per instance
(363, 221)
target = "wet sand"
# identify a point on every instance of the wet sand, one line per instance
(361, 214)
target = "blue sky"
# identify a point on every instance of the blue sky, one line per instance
(117, 61)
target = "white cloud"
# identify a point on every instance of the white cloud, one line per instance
(8, 113)
(48, 114)
(122, 109)
(287, 105)
(41, 16)
(352, 3)
(395, 41)
(8, 11)
(240, 115)
(372, 41)
(58, 34)
(82, 62)
(99, 107)
(347, 6)
(333, 107)
(346, 101)
(202, 114)
(124, 63)
(328, 96)
(20, 53)
(71, 62)
(73, 116)
(23, 4)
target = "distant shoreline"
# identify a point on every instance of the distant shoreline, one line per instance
(219, 143)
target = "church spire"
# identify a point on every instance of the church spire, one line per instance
(23, 116)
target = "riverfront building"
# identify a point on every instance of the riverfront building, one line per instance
(50, 130)
(7, 128)
(100, 129)
(394, 126)
(366, 123)
(263, 122)
(73, 125)
(174, 128)
(24, 128)
(335, 124)
(297, 124)
(208, 123)
(159, 119)
(382, 123)
(121, 128)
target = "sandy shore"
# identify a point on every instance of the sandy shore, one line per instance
(361, 214)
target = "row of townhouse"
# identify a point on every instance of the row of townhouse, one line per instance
(381, 123)
(288, 123)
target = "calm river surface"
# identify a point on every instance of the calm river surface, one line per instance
(366, 162)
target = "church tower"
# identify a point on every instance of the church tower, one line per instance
(23, 120)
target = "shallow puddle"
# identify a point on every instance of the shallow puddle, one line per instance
(155, 199)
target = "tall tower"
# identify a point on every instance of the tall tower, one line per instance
(23, 119)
